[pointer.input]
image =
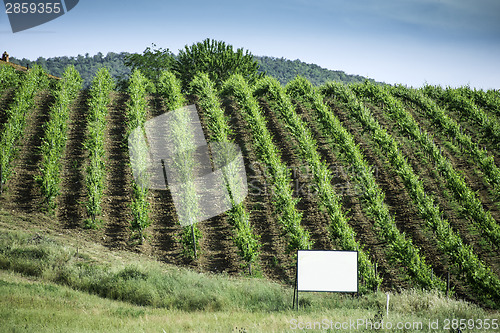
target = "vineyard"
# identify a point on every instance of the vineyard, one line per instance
(408, 177)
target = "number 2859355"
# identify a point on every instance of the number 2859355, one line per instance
(33, 8)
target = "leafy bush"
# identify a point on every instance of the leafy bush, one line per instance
(218, 60)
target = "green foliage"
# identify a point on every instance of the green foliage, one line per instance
(154, 59)
(184, 162)
(438, 116)
(480, 276)
(285, 70)
(86, 65)
(217, 59)
(489, 99)
(55, 136)
(13, 129)
(455, 182)
(151, 62)
(140, 210)
(244, 238)
(219, 131)
(169, 88)
(463, 102)
(217, 121)
(9, 77)
(340, 231)
(458, 100)
(400, 249)
(186, 239)
(137, 105)
(94, 144)
(94, 180)
(136, 117)
(285, 205)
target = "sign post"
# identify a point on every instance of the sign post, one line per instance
(325, 271)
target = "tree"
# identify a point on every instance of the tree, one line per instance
(151, 62)
(217, 59)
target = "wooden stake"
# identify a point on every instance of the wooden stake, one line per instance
(194, 241)
(249, 264)
(295, 290)
(164, 172)
(387, 306)
(448, 284)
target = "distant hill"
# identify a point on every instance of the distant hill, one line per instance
(86, 65)
(286, 70)
(328, 167)
(282, 69)
(21, 68)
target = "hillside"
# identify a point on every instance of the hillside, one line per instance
(20, 68)
(54, 279)
(285, 70)
(418, 200)
(282, 69)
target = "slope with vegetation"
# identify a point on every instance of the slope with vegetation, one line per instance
(52, 281)
(325, 166)
(153, 59)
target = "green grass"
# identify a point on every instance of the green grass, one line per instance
(52, 282)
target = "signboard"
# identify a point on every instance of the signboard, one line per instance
(331, 271)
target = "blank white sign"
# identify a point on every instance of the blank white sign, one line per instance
(335, 271)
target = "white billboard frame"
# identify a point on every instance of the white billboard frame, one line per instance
(326, 271)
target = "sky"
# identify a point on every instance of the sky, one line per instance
(412, 42)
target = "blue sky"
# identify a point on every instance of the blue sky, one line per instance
(446, 42)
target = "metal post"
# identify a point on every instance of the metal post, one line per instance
(194, 241)
(294, 294)
(448, 284)
(164, 172)
(376, 274)
(249, 264)
(1, 180)
(295, 290)
(387, 306)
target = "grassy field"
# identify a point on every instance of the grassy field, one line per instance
(419, 200)
(52, 282)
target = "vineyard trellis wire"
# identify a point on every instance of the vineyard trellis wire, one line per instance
(478, 274)
(453, 99)
(400, 248)
(452, 129)
(341, 232)
(169, 87)
(285, 205)
(136, 117)
(219, 129)
(55, 136)
(94, 144)
(455, 182)
(23, 103)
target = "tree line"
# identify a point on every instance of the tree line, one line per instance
(119, 64)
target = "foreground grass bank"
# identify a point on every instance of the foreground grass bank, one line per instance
(51, 283)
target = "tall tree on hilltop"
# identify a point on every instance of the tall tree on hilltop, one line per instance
(217, 59)
(151, 62)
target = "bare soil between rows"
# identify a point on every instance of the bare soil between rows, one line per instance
(219, 254)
